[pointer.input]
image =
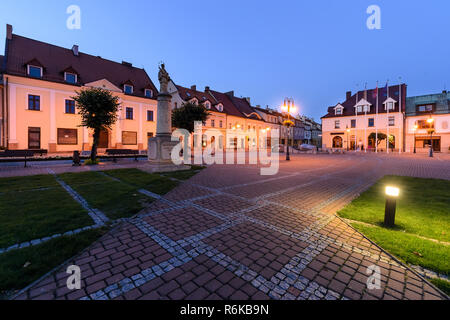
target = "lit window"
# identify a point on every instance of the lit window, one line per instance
(128, 89)
(34, 102)
(70, 106)
(34, 71)
(149, 115)
(70, 77)
(129, 114)
(148, 93)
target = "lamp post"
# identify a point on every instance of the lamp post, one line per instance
(391, 205)
(415, 130)
(348, 131)
(288, 107)
(430, 122)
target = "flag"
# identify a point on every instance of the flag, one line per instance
(387, 89)
(375, 92)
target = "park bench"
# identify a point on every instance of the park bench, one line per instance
(122, 152)
(26, 154)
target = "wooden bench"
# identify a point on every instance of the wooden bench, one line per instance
(122, 152)
(26, 154)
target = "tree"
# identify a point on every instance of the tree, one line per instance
(184, 117)
(381, 137)
(98, 109)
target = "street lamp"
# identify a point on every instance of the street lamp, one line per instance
(348, 131)
(391, 204)
(431, 130)
(288, 107)
(415, 130)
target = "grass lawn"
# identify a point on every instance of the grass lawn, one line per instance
(185, 174)
(19, 268)
(143, 180)
(36, 207)
(422, 220)
(115, 199)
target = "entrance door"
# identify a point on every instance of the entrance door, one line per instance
(437, 145)
(103, 139)
(34, 138)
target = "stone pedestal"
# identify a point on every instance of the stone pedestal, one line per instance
(160, 150)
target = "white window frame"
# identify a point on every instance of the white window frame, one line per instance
(128, 85)
(208, 105)
(74, 74)
(337, 124)
(338, 111)
(40, 68)
(151, 93)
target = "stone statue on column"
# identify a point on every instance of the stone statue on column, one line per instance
(160, 147)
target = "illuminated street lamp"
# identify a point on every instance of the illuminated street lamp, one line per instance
(392, 194)
(431, 130)
(415, 130)
(288, 107)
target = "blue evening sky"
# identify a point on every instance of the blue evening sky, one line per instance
(312, 51)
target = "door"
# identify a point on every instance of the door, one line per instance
(103, 139)
(437, 145)
(34, 138)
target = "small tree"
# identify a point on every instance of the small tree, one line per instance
(184, 117)
(98, 109)
(381, 137)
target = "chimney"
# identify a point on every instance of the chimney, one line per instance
(444, 91)
(248, 100)
(206, 89)
(9, 30)
(348, 95)
(194, 87)
(230, 93)
(128, 64)
(75, 50)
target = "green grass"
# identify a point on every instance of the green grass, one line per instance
(423, 207)
(40, 260)
(442, 284)
(26, 183)
(409, 248)
(32, 214)
(143, 180)
(184, 174)
(115, 199)
(422, 220)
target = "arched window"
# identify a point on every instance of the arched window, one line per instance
(337, 142)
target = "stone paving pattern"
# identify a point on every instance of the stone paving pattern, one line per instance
(230, 233)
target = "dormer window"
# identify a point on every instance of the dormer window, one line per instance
(70, 77)
(220, 107)
(148, 93)
(207, 105)
(390, 106)
(339, 111)
(34, 71)
(128, 89)
(188, 94)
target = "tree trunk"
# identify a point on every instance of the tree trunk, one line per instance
(94, 145)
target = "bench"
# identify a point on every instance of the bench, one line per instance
(22, 154)
(122, 152)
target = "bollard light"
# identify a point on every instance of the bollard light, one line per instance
(392, 194)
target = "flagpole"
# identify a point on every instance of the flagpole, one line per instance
(387, 107)
(376, 124)
(356, 126)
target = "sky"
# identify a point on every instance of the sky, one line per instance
(312, 51)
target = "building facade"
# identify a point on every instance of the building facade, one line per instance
(424, 113)
(38, 111)
(354, 124)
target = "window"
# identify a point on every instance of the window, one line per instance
(425, 108)
(176, 105)
(390, 106)
(371, 122)
(359, 109)
(34, 71)
(150, 135)
(129, 114)
(337, 142)
(70, 77)
(423, 124)
(129, 138)
(220, 123)
(149, 115)
(230, 125)
(34, 138)
(70, 106)
(337, 124)
(128, 89)
(391, 121)
(339, 111)
(208, 105)
(220, 107)
(67, 136)
(366, 108)
(353, 123)
(34, 102)
(148, 93)
(213, 123)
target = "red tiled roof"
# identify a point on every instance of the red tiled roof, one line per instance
(228, 106)
(187, 94)
(55, 60)
(244, 107)
(371, 97)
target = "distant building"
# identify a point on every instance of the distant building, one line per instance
(418, 110)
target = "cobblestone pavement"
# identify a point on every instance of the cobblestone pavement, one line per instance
(230, 233)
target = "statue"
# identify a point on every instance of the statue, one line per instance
(164, 78)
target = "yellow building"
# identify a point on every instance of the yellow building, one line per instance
(37, 108)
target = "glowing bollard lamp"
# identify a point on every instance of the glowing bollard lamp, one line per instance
(391, 205)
